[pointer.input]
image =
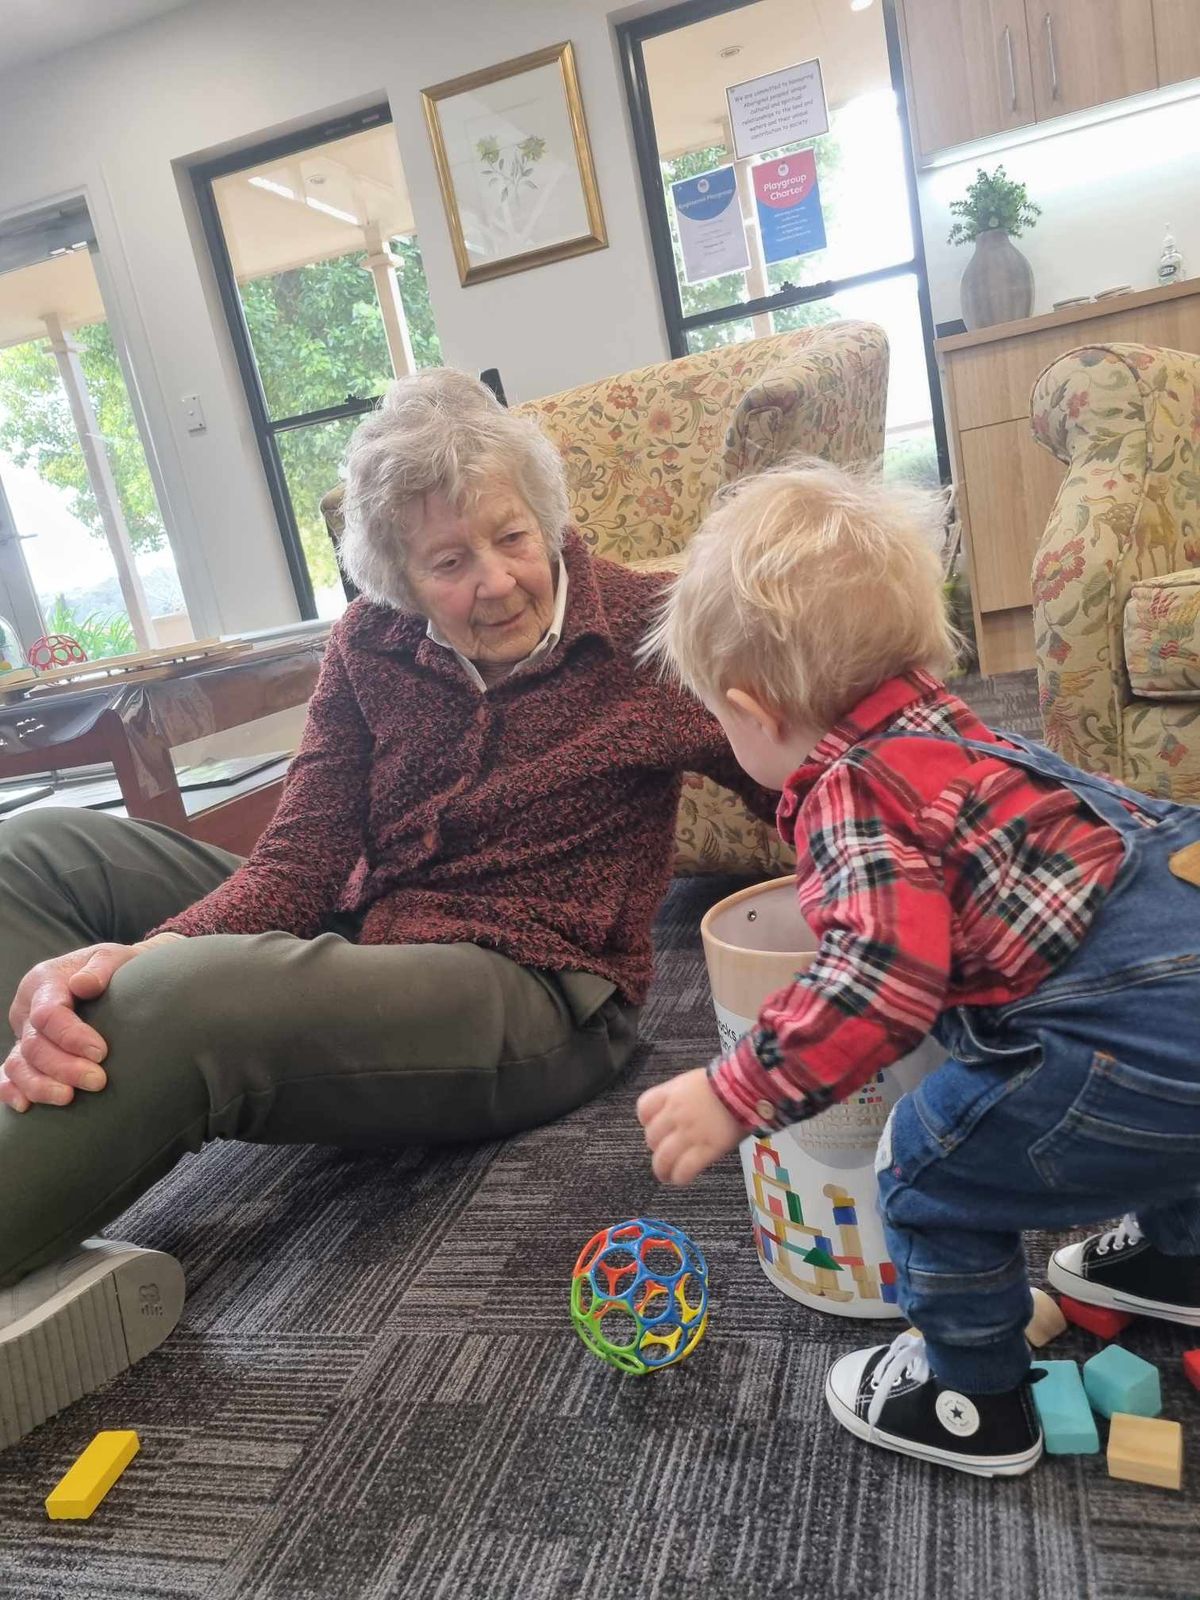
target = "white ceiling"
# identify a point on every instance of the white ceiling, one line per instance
(31, 30)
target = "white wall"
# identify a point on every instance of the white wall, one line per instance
(1107, 194)
(109, 120)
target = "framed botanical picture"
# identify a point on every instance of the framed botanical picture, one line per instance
(515, 165)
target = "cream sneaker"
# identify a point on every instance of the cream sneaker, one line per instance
(70, 1327)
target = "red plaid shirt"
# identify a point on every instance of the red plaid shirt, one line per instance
(932, 876)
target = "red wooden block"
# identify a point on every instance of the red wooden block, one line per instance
(1191, 1365)
(1100, 1320)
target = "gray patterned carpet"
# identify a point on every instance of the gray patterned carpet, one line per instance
(375, 1392)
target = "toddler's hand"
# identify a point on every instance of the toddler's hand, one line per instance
(686, 1126)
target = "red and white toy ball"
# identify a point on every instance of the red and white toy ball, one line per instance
(55, 650)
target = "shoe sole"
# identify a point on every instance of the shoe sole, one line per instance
(101, 1323)
(1098, 1294)
(982, 1467)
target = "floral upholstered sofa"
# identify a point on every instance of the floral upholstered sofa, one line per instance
(1116, 578)
(646, 451)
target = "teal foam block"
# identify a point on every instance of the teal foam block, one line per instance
(1062, 1407)
(1117, 1380)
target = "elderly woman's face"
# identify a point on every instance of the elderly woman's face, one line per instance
(482, 575)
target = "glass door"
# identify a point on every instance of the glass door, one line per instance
(779, 187)
(83, 547)
(313, 241)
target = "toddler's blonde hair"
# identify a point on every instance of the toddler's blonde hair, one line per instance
(808, 586)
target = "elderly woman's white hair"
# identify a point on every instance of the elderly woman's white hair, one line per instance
(438, 432)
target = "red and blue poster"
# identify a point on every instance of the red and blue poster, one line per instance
(788, 197)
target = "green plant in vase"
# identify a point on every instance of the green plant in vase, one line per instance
(997, 285)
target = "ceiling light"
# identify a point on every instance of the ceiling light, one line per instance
(273, 187)
(859, 5)
(332, 211)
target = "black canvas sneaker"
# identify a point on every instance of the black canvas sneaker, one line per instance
(71, 1326)
(1123, 1270)
(889, 1397)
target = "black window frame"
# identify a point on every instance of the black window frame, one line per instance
(203, 175)
(631, 36)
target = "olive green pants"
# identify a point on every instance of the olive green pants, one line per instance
(262, 1037)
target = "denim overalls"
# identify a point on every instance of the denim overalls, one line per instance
(1073, 1105)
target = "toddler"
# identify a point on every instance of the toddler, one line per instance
(1042, 923)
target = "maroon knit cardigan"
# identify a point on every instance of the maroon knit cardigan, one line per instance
(536, 819)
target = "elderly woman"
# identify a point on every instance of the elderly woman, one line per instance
(443, 935)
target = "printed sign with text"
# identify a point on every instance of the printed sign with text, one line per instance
(712, 234)
(784, 107)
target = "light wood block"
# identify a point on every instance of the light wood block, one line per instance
(78, 1494)
(1146, 1450)
(1047, 1321)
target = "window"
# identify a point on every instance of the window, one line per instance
(312, 238)
(869, 262)
(83, 546)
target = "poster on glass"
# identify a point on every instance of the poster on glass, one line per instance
(514, 165)
(708, 219)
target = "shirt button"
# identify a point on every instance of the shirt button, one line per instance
(429, 839)
(765, 1112)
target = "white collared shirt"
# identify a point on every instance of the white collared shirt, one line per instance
(543, 647)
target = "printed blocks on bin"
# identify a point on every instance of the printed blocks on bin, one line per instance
(639, 1295)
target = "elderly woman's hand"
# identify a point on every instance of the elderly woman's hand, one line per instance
(56, 1052)
(686, 1126)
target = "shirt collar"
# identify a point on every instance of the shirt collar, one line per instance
(543, 647)
(871, 715)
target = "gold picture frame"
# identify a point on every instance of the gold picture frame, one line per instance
(514, 165)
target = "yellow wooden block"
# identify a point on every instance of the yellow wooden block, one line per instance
(92, 1476)
(1047, 1321)
(1146, 1450)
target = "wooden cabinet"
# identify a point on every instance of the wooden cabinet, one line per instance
(968, 69)
(1006, 482)
(976, 68)
(1010, 484)
(1085, 55)
(1177, 39)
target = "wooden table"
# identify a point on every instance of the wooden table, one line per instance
(134, 727)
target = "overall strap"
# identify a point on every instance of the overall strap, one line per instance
(1105, 797)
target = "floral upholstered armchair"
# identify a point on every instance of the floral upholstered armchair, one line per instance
(1116, 579)
(646, 451)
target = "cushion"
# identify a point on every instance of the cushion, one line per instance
(1162, 636)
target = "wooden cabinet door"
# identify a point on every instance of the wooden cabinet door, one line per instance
(1009, 484)
(1177, 39)
(968, 69)
(1087, 52)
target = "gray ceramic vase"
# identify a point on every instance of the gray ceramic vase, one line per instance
(998, 283)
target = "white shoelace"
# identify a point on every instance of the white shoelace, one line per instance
(906, 1358)
(1121, 1237)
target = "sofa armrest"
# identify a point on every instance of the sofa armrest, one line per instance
(1119, 417)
